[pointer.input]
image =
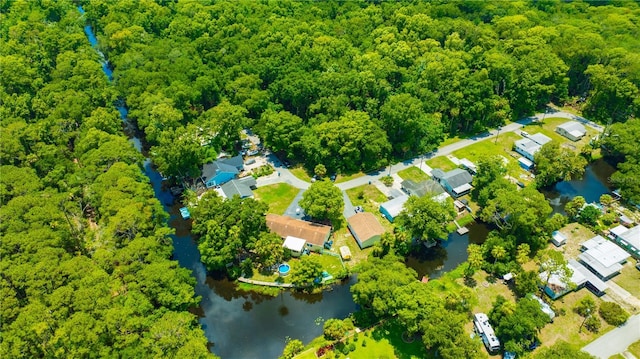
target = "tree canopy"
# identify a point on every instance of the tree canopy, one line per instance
(350, 84)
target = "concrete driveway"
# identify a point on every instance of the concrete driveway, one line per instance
(615, 341)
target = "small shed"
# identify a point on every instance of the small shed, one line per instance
(345, 253)
(626, 221)
(558, 238)
(295, 245)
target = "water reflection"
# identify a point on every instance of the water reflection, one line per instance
(446, 256)
(594, 183)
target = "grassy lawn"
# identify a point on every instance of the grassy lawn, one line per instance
(635, 349)
(346, 177)
(413, 173)
(548, 128)
(441, 162)
(331, 264)
(278, 196)
(490, 147)
(487, 292)
(565, 326)
(629, 278)
(576, 234)
(301, 173)
(384, 341)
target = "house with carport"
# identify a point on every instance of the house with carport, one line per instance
(221, 171)
(456, 182)
(528, 147)
(391, 209)
(365, 229)
(315, 234)
(603, 257)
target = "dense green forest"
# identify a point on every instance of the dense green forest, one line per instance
(352, 84)
(85, 249)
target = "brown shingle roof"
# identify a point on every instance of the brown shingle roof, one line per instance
(284, 226)
(365, 225)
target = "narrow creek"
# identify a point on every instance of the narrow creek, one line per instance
(248, 325)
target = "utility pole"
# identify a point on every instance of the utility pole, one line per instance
(498, 134)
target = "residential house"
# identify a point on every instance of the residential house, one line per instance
(239, 187)
(391, 209)
(365, 228)
(236, 162)
(295, 245)
(528, 147)
(218, 173)
(557, 286)
(602, 257)
(420, 189)
(456, 182)
(572, 130)
(315, 235)
(628, 238)
(525, 163)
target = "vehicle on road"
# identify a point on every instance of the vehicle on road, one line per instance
(359, 209)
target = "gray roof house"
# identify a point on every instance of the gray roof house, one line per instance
(236, 162)
(422, 188)
(457, 182)
(239, 187)
(572, 130)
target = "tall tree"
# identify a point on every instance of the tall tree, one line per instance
(555, 164)
(323, 200)
(426, 219)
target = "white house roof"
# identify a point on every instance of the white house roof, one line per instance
(593, 242)
(462, 188)
(608, 253)
(618, 230)
(589, 277)
(395, 206)
(539, 138)
(577, 277)
(632, 236)
(573, 127)
(525, 161)
(294, 243)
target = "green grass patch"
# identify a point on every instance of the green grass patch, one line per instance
(629, 278)
(466, 219)
(348, 177)
(413, 173)
(270, 291)
(441, 162)
(635, 349)
(501, 146)
(278, 196)
(301, 173)
(331, 264)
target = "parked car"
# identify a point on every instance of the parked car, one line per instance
(359, 209)
(524, 134)
(333, 177)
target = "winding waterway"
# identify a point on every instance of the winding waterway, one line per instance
(248, 325)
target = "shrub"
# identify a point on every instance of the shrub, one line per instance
(387, 180)
(352, 347)
(613, 313)
(593, 324)
(364, 342)
(585, 306)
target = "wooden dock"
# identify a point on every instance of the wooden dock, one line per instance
(462, 230)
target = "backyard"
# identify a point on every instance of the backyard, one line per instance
(629, 278)
(383, 341)
(330, 263)
(278, 196)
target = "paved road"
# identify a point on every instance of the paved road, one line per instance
(286, 176)
(349, 208)
(294, 210)
(615, 341)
